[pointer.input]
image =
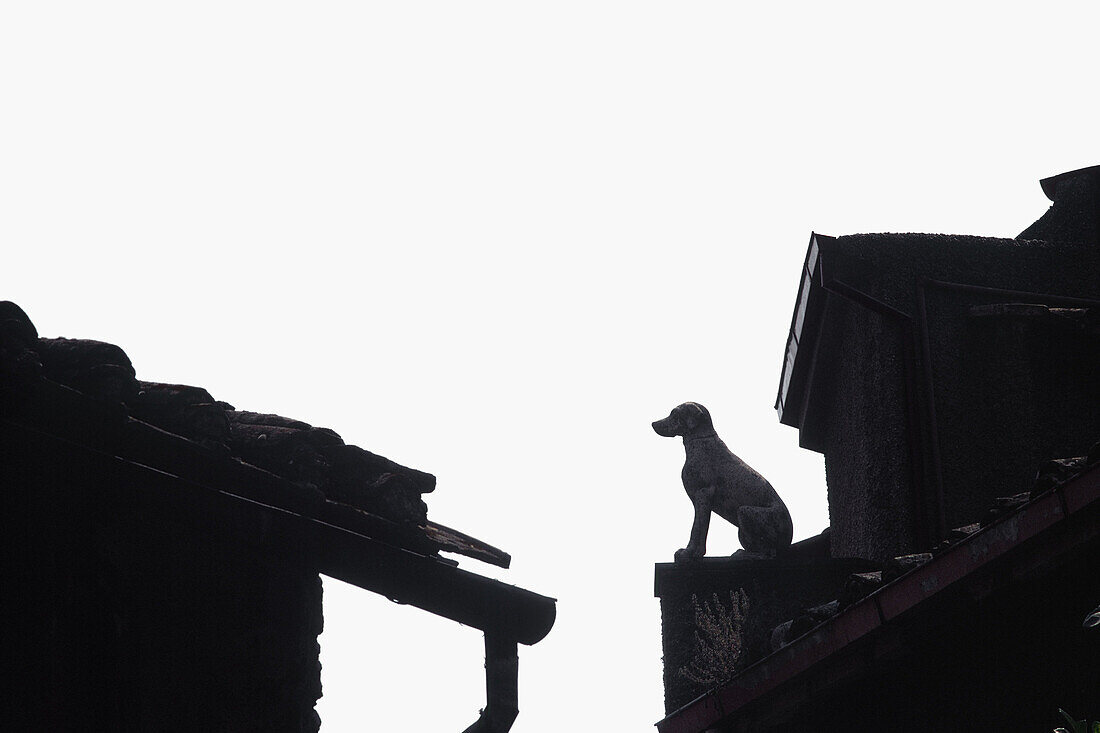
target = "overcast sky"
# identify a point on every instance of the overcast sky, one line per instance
(495, 241)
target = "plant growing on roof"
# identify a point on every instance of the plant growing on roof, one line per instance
(1077, 726)
(717, 638)
(1092, 621)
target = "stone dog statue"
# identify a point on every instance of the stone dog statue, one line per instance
(718, 481)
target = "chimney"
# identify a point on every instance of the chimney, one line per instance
(1074, 217)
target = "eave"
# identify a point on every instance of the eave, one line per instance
(170, 476)
(796, 379)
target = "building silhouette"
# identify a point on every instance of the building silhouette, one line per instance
(162, 552)
(951, 383)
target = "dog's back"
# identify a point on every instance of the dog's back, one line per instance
(738, 485)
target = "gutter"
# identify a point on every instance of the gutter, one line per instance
(501, 687)
(943, 573)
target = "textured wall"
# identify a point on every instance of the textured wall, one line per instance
(987, 370)
(867, 462)
(1015, 386)
(777, 590)
(136, 609)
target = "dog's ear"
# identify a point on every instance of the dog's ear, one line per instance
(696, 415)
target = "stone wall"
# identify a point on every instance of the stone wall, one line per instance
(945, 377)
(777, 590)
(873, 512)
(128, 605)
(1015, 387)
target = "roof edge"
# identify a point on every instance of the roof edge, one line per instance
(793, 384)
(369, 552)
(856, 622)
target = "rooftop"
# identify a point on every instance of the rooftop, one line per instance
(358, 515)
(846, 647)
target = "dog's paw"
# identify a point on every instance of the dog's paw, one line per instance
(746, 555)
(685, 555)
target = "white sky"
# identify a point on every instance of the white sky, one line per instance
(494, 241)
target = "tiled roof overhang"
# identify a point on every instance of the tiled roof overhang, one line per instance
(165, 475)
(1040, 532)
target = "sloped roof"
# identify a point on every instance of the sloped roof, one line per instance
(1019, 539)
(360, 516)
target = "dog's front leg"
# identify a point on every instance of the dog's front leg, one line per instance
(697, 543)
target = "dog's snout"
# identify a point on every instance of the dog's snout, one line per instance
(663, 428)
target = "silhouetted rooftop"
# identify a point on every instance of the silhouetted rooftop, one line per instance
(836, 643)
(361, 515)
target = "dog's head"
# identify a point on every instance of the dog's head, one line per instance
(686, 419)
